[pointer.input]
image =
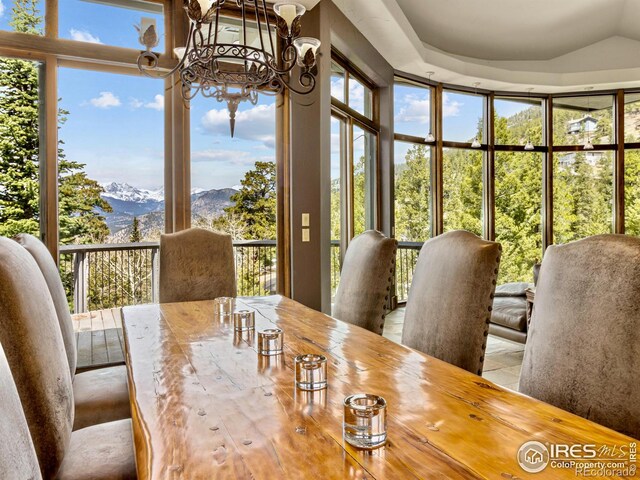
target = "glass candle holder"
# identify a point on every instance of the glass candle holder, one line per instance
(223, 306)
(311, 372)
(365, 421)
(270, 341)
(244, 320)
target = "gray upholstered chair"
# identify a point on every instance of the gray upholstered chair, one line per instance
(34, 348)
(449, 306)
(101, 395)
(196, 264)
(365, 281)
(583, 351)
(17, 455)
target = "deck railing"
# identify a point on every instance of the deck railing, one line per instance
(406, 258)
(111, 275)
(104, 276)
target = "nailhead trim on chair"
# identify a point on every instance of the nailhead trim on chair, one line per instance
(490, 308)
(389, 280)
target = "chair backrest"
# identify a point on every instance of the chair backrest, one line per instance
(196, 264)
(450, 300)
(51, 275)
(32, 342)
(17, 455)
(583, 350)
(365, 281)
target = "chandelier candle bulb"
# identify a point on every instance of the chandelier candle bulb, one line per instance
(288, 14)
(302, 46)
(270, 341)
(365, 421)
(205, 5)
(311, 372)
(223, 306)
(244, 320)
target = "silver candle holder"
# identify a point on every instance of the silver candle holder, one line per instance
(365, 421)
(311, 372)
(270, 341)
(223, 307)
(244, 320)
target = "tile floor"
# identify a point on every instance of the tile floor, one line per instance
(502, 363)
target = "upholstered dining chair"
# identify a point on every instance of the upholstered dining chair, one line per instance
(365, 281)
(196, 264)
(33, 344)
(101, 395)
(583, 351)
(449, 306)
(17, 455)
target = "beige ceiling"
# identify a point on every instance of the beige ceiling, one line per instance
(550, 45)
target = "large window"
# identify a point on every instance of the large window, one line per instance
(462, 190)
(582, 194)
(462, 117)
(19, 147)
(233, 184)
(578, 120)
(518, 121)
(111, 157)
(109, 22)
(412, 165)
(354, 157)
(518, 204)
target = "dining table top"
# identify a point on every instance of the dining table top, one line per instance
(206, 405)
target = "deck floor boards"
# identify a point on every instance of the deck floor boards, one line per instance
(99, 337)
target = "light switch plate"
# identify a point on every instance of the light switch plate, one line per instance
(305, 235)
(305, 219)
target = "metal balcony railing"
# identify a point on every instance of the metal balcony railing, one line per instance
(104, 276)
(98, 277)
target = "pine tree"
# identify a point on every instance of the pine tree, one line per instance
(78, 196)
(255, 203)
(135, 235)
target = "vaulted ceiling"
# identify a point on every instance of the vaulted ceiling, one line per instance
(551, 45)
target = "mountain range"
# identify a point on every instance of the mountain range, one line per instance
(128, 202)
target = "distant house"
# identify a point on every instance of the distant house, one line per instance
(584, 124)
(592, 158)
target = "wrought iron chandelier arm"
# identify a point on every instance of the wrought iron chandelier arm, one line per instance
(153, 59)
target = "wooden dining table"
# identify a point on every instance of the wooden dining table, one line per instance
(205, 405)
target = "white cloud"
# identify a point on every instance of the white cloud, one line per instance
(1, 8)
(416, 110)
(256, 123)
(83, 36)
(450, 108)
(337, 88)
(229, 156)
(417, 107)
(135, 103)
(157, 104)
(105, 100)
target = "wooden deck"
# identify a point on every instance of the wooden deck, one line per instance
(99, 337)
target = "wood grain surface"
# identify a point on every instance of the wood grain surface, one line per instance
(205, 405)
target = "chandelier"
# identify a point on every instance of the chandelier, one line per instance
(233, 63)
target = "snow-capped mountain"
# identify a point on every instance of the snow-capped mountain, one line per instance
(127, 193)
(128, 201)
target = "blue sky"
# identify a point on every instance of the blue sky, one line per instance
(116, 122)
